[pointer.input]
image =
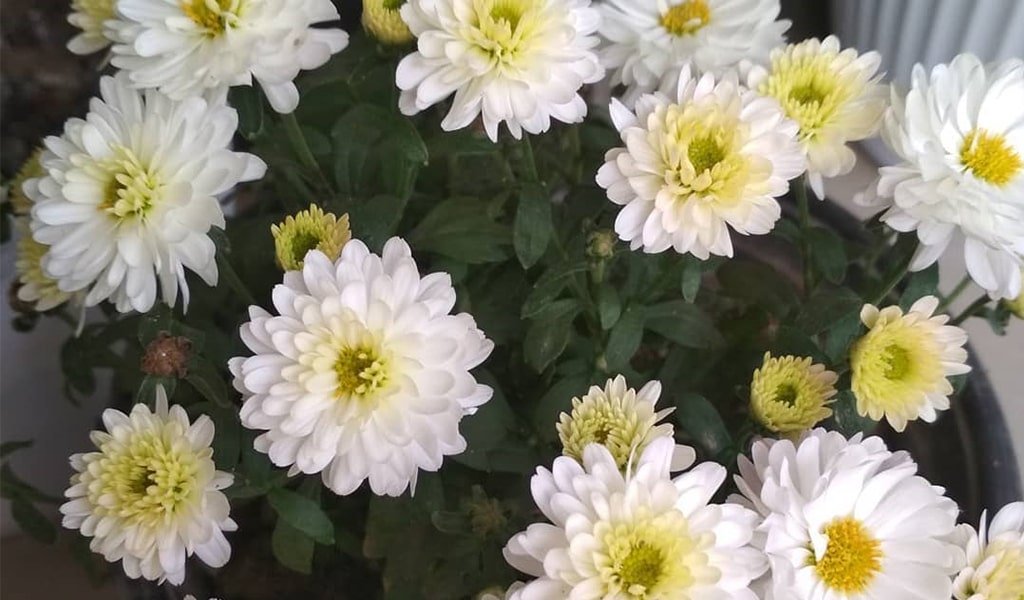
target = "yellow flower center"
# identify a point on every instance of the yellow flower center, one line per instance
(214, 17)
(990, 157)
(810, 92)
(789, 394)
(132, 188)
(311, 229)
(650, 557)
(606, 421)
(686, 18)
(361, 371)
(852, 557)
(149, 478)
(382, 19)
(1004, 580)
(503, 29)
(699, 150)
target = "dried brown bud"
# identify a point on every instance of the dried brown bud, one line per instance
(487, 516)
(167, 356)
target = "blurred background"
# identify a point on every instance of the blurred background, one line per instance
(42, 84)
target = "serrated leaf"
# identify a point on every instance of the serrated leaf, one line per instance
(532, 228)
(826, 307)
(624, 339)
(248, 102)
(684, 324)
(549, 286)
(302, 513)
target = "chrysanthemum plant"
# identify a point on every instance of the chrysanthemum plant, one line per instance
(454, 262)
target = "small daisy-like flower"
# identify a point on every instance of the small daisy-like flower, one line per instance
(521, 62)
(714, 157)
(364, 374)
(190, 47)
(150, 495)
(635, 535)
(90, 16)
(900, 367)
(383, 20)
(30, 169)
(130, 195)
(834, 96)
(790, 394)
(995, 558)
(961, 179)
(647, 42)
(35, 287)
(849, 519)
(311, 229)
(620, 418)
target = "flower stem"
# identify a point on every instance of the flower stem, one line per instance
(298, 141)
(895, 275)
(235, 282)
(803, 204)
(960, 287)
(971, 310)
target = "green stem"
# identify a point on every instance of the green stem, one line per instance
(894, 278)
(971, 310)
(301, 147)
(235, 282)
(803, 204)
(960, 287)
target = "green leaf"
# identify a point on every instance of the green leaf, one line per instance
(375, 220)
(227, 443)
(549, 286)
(460, 143)
(249, 103)
(13, 446)
(826, 307)
(372, 144)
(353, 136)
(487, 427)
(532, 229)
(556, 400)
(759, 284)
(624, 339)
(208, 380)
(701, 420)
(460, 228)
(920, 284)
(146, 394)
(792, 341)
(692, 274)
(609, 306)
(684, 324)
(33, 522)
(292, 548)
(845, 417)
(828, 254)
(302, 513)
(546, 339)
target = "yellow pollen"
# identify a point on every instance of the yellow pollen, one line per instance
(704, 153)
(990, 158)
(852, 557)
(147, 479)
(213, 16)
(361, 371)
(686, 18)
(132, 188)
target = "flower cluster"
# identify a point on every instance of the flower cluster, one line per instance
(355, 366)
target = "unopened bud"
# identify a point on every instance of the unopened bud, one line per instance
(167, 356)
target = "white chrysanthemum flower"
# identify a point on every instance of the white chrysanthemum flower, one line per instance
(901, 366)
(131, 194)
(621, 419)
(365, 374)
(634, 535)
(995, 558)
(521, 62)
(90, 16)
(960, 135)
(190, 47)
(647, 42)
(714, 157)
(150, 495)
(848, 519)
(832, 94)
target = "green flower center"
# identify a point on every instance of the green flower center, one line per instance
(361, 371)
(787, 394)
(642, 567)
(897, 362)
(704, 153)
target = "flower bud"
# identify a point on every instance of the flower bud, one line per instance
(167, 356)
